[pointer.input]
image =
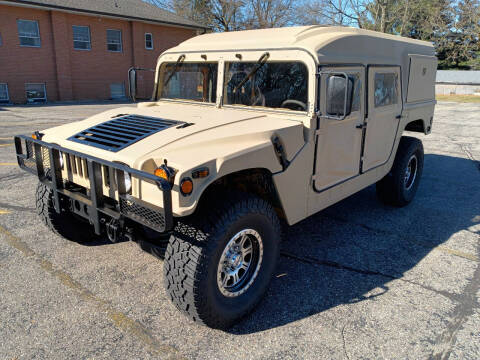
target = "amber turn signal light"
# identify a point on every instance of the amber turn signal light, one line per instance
(186, 186)
(200, 173)
(37, 135)
(161, 172)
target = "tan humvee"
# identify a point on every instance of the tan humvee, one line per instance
(245, 130)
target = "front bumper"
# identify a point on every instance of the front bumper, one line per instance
(43, 159)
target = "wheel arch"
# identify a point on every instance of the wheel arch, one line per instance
(257, 181)
(416, 126)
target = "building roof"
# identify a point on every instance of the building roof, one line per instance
(125, 9)
(458, 77)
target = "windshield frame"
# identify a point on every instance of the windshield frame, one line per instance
(250, 56)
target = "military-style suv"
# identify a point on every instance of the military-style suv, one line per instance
(245, 130)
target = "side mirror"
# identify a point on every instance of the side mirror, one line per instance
(132, 83)
(339, 96)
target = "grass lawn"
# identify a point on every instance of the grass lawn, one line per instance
(459, 98)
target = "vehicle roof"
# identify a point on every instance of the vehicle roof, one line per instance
(318, 40)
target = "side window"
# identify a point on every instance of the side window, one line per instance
(148, 41)
(4, 93)
(386, 89)
(35, 93)
(336, 91)
(357, 92)
(81, 37)
(114, 40)
(28, 33)
(117, 91)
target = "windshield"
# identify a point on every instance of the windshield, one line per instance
(275, 85)
(189, 81)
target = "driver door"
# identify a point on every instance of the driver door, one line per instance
(339, 138)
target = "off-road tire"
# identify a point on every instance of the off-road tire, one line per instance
(65, 224)
(195, 249)
(391, 189)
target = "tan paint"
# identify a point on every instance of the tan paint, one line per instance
(228, 139)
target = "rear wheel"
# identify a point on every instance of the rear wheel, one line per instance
(399, 187)
(65, 224)
(217, 268)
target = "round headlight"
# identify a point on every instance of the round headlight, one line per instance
(128, 181)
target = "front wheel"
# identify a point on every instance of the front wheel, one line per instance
(65, 223)
(399, 187)
(218, 267)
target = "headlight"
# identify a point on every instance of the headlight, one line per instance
(60, 155)
(128, 182)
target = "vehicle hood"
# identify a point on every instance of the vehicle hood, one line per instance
(207, 124)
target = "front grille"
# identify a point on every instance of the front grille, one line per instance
(143, 215)
(76, 165)
(122, 131)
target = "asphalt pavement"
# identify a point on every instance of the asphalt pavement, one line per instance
(359, 280)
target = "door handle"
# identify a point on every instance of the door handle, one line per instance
(398, 117)
(360, 126)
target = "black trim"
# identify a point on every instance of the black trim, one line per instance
(95, 201)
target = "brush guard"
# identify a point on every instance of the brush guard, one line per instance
(43, 159)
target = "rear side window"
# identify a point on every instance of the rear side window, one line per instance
(386, 89)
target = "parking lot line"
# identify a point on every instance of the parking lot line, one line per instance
(1, 145)
(8, 164)
(3, 212)
(458, 253)
(119, 319)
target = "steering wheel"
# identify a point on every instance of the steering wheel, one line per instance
(295, 104)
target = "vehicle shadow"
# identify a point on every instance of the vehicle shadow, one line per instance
(359, 245)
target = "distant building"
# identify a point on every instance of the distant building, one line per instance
(457, 82)
(57, 50)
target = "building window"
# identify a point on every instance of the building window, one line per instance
(114, 40)
(148, 41)
(1, 40)
(117, 91)
(35, 93)
(81, 37)
(4, 94)
(385, 89)
(28, 33)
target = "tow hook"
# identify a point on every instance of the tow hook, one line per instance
(117, 231)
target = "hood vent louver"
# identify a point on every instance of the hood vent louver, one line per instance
(122, 131)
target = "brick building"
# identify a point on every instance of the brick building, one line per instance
(57, 50)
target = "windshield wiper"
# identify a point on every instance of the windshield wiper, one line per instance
(263, 59)
(177, 66)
